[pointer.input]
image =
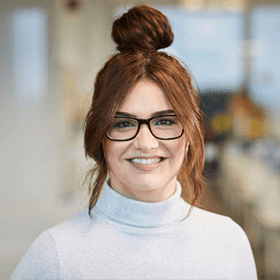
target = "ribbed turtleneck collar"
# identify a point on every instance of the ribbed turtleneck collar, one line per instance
(127, 211)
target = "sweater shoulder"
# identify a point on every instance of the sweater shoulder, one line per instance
(219, 229)
(222, 234)
(210, 217)
(76, 225)
(216, 221)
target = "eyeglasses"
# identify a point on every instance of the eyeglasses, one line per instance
(164, 127)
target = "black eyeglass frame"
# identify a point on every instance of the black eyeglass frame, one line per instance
(147, 122)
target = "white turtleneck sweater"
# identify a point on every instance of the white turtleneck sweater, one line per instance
(129, 239)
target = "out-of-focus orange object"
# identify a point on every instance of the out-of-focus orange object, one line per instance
(248, 118)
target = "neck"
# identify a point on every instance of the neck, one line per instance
(123, 210)
(145, 193)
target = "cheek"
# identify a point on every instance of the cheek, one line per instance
(177, 151)
(109, 152)
(181, 153)
(113, 152)
(180, 147)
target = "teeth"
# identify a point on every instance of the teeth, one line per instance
(146, 161)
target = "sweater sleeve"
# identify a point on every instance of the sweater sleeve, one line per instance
(40, 262)
(243, 257)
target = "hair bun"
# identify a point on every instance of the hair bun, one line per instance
(142, 28)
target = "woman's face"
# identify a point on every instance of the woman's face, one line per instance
(145, 181)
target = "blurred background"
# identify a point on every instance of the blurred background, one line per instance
(50, 52)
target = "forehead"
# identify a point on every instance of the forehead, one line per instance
(145, 98)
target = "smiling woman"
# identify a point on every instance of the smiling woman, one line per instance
(138, 60)
(144, 129)
(145, 167)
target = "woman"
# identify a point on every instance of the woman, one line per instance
(144, 130)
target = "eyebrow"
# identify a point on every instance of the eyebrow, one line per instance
(155, 114)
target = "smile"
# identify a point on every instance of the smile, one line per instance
(146, 160)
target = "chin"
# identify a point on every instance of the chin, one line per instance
(151, 183)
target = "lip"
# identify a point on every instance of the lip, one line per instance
(146, 157)
(147, 167)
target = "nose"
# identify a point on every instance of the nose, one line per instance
(145, 140)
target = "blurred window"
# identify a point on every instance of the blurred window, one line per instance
(265, 75)
(210, 43)
(30, 51)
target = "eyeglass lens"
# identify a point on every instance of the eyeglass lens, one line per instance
(164, 127)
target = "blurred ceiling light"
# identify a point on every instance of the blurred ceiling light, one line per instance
(193, 5)
(214, 3)
(235, 5)
(232, 5)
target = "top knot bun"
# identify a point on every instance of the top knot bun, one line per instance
(142, 28)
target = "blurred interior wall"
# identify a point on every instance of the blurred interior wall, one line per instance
(35, 144)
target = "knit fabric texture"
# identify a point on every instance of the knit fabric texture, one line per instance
(129, 239)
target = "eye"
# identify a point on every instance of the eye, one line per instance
(164, 121)
(123, 124)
